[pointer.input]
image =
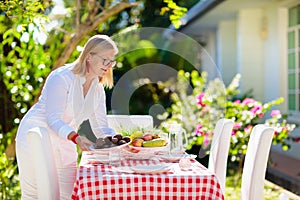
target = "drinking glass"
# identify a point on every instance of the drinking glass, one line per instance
(177, 138)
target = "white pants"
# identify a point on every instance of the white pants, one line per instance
(66, 171)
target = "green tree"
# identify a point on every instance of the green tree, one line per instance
(30, 50)
(26, 57)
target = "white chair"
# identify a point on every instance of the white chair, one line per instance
(128, 122)
(46, 174)
(219, 150)
(255, 164)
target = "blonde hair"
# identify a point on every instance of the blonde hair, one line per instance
(102, 42)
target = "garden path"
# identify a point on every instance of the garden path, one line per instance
(284, 171)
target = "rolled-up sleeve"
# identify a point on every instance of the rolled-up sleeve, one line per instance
(98, 119)
(56, 93)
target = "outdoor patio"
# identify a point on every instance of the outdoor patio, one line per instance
(284, 171)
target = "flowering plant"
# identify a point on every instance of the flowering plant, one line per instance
(199, 111)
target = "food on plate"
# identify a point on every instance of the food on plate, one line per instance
(158, 142)
(121, 142)
(155, 136)
(147, 136)
(147, 139)
(114, 140)
(136, 134)
(126, 138)
(138, 142)
(111, 141)
(118, 136)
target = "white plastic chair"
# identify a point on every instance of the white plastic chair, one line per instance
(129, 122)
(219, 150)
(255, 164)
(45, 171)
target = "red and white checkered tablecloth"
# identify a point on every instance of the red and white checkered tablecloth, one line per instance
(102, 181)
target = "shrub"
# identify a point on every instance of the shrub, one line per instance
(197, 105)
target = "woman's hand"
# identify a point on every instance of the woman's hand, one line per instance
(83, 143)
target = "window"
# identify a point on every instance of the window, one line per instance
(294, 59)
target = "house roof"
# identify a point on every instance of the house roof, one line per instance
(202, 7)
(198, 10)
(207, 13)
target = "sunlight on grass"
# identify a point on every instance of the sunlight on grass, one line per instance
(233, 189)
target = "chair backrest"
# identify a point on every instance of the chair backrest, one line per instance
(256, 162)
(219, 150)
(129, 122)
(42, 154)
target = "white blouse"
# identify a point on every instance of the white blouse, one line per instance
(62, 106)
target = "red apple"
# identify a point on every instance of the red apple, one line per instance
(137, 142)
(147, 136)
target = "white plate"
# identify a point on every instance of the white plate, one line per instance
(176, 157)
(150, 169)
(148, 149)
(92, 148)
(124, 169)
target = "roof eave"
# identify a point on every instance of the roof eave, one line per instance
(198, 11)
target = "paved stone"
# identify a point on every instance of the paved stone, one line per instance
(284, 171)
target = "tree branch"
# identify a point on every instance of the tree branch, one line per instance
(88, 26)
(77, 16)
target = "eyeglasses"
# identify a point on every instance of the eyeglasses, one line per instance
(107, 62)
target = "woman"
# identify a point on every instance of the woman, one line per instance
(71, 94)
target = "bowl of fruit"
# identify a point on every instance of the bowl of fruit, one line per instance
(147, 141)
(109, 143)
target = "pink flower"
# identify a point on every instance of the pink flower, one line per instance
(237, 101)
(260, 115)
(233, 132)
(237, 126)
(199, 126)
(199, 131)
(206, 140)
(248, 128)
(256, 109)
(200, 99)
(275, 113)
(247, 101)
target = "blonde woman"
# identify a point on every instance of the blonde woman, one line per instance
(71, 94)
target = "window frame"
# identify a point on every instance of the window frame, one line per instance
(296, 70)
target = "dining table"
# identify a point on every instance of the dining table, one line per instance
(186, 178)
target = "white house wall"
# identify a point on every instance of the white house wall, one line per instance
(255, 56)
(227, 49)
(250, 52)
(264, 57)
(278, 17)
(274, 49)
(208, 58)
(282, 35)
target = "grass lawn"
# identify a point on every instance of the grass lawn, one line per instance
(271, 191)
